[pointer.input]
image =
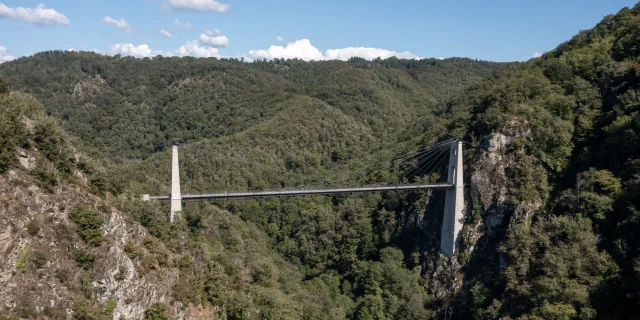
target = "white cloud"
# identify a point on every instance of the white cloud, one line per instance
(366, 53)
(214, 38)
(198, 5)
(85, 49)
(186, 24)
(120, 24)
(213, 33)
(129, 49)
(537, 54)
(38, 15)
(280, 39)
(303, 49)
(193, 48)
(165, 33)
(5, 55)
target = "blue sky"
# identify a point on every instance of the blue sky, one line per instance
(499, 30)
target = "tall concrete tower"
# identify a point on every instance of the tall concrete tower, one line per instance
(176, 197)
(454, 202)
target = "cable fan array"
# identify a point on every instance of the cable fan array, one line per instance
(424, 161)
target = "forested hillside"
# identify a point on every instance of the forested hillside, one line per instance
(567, 128)
(552, 160)
(127, 108)
(251, 126)
(67, 253)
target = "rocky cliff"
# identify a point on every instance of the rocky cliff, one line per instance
(49, 266)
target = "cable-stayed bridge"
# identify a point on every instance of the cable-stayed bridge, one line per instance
(428, 158)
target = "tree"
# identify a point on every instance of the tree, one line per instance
(4, 86)
(370, 307)
(157, 311)
(89, 223)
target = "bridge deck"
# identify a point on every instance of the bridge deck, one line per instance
(302, 192)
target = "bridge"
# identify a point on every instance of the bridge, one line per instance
(453, 208)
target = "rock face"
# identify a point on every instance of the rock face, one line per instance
(38, 244)
(26, 160)
(490, 184)
(86, 88)
(489, 180)
(24, 211)
(117, 275)
(489, 215)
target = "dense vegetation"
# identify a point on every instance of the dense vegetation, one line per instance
(567, 248)
(127, 108)
(320, 123)
(580, 257)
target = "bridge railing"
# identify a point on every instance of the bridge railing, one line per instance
(299, 192)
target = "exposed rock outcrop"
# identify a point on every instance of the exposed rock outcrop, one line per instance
(84, 88)
(490, 213)
(38, 243)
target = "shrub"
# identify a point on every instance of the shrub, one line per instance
(132, 251)
(109, 307)
(85, 259)
(157, 311)
(28, 312)
(21, 263)
(33, 227)
(12, 132)
(51, 144)
(85, 282)
(54, 313)
(85, 311)
(4, 86)
(40, 258)
(89, 222)
(45, 177)
(63, 275)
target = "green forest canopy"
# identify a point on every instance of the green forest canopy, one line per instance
(287, 123)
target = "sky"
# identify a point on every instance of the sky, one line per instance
(495, 30)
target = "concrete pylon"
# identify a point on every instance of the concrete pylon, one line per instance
(176, 197)
(454, 202)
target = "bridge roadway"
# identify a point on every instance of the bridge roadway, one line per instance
(302, 192)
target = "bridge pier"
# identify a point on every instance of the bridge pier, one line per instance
(454, 202)
(176, 196)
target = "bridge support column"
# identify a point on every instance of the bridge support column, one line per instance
(454, 202)
(176, 197)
